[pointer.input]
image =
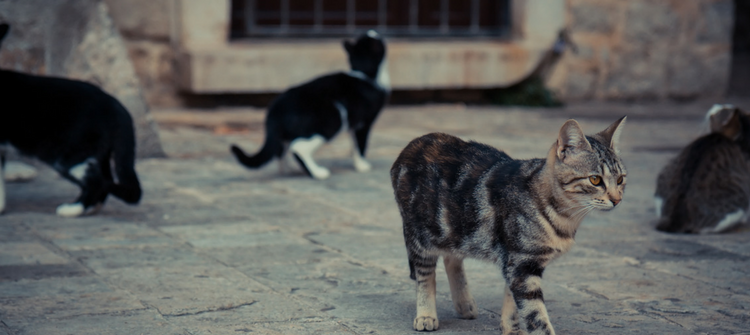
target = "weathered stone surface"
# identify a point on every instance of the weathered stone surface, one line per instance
(717, 22)
(647, 50)
(77, 39)
(142, 19)
(594, 17)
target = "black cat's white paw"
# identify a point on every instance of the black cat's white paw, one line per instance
(71, 210)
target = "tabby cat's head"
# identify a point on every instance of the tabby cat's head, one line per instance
(588, 168)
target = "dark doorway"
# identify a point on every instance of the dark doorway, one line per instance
(739, 80)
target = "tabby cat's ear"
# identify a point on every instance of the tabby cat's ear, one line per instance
(725, 120)
(571, 141)
(611, 135)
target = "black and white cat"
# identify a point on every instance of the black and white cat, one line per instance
(307, 116)
(76, 128)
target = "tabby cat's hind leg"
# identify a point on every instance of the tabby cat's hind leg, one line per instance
(509, 315)
(462, 299)
(303, 149)
(424, 269)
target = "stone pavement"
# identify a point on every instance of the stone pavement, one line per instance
(217, 249)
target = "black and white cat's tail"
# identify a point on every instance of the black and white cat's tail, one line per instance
(271, 148)
(127, 188)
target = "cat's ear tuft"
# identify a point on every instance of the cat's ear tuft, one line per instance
(725, 120)
(571, 140)
(611, 135)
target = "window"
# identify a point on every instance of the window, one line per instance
(337, 18)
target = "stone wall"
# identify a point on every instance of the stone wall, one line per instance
(627, 50)
(77, 39)
(147, 28)
(646, 50)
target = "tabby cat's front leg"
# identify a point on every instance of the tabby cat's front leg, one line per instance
(509, 315)
(426, 289)
(525, 286)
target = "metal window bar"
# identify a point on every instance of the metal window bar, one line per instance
(410, 28)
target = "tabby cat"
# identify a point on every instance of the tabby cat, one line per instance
(465, 199)
(706, 188)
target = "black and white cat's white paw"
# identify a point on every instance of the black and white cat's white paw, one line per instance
(360, 164)
(76, 209)
(303, 149)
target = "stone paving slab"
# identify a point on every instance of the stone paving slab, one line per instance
(218, 249)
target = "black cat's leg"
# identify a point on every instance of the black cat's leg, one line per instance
(303, 149)
(509, 315)
(462, 299)
(88, 176)
(358, 153)
(525, 281)
(424, 269)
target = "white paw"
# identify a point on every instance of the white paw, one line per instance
(70, 210)
(428, 323)
(362, 165)
(320, 173)
(17, 171)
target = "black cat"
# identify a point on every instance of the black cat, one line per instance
(305, 117)
(74, 127)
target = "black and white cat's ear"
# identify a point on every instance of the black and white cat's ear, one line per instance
(611, 135)
(571, 140)
(725, 120)
(4, 28)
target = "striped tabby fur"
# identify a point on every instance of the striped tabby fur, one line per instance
(465, 199)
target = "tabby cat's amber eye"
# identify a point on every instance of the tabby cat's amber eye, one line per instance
(620, 180)
(596, 180)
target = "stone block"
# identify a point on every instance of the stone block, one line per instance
(698, 72)
(649, 21)
(142, 19)
(716, 22)
(594, 18)
(637, 73)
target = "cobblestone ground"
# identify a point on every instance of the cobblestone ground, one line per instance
(217, 249)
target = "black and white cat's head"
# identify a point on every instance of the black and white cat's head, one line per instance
(4, 28)
(367, 56)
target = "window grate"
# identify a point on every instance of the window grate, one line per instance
(402, 18)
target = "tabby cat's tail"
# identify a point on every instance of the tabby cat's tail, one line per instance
(271, 148)
(127, 188)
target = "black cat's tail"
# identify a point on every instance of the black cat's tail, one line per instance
(127, 188)
(271, 148)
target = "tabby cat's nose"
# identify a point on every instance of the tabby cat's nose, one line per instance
(615, 201)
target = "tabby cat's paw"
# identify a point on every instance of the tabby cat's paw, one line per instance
(427, 323)
(467, 309)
